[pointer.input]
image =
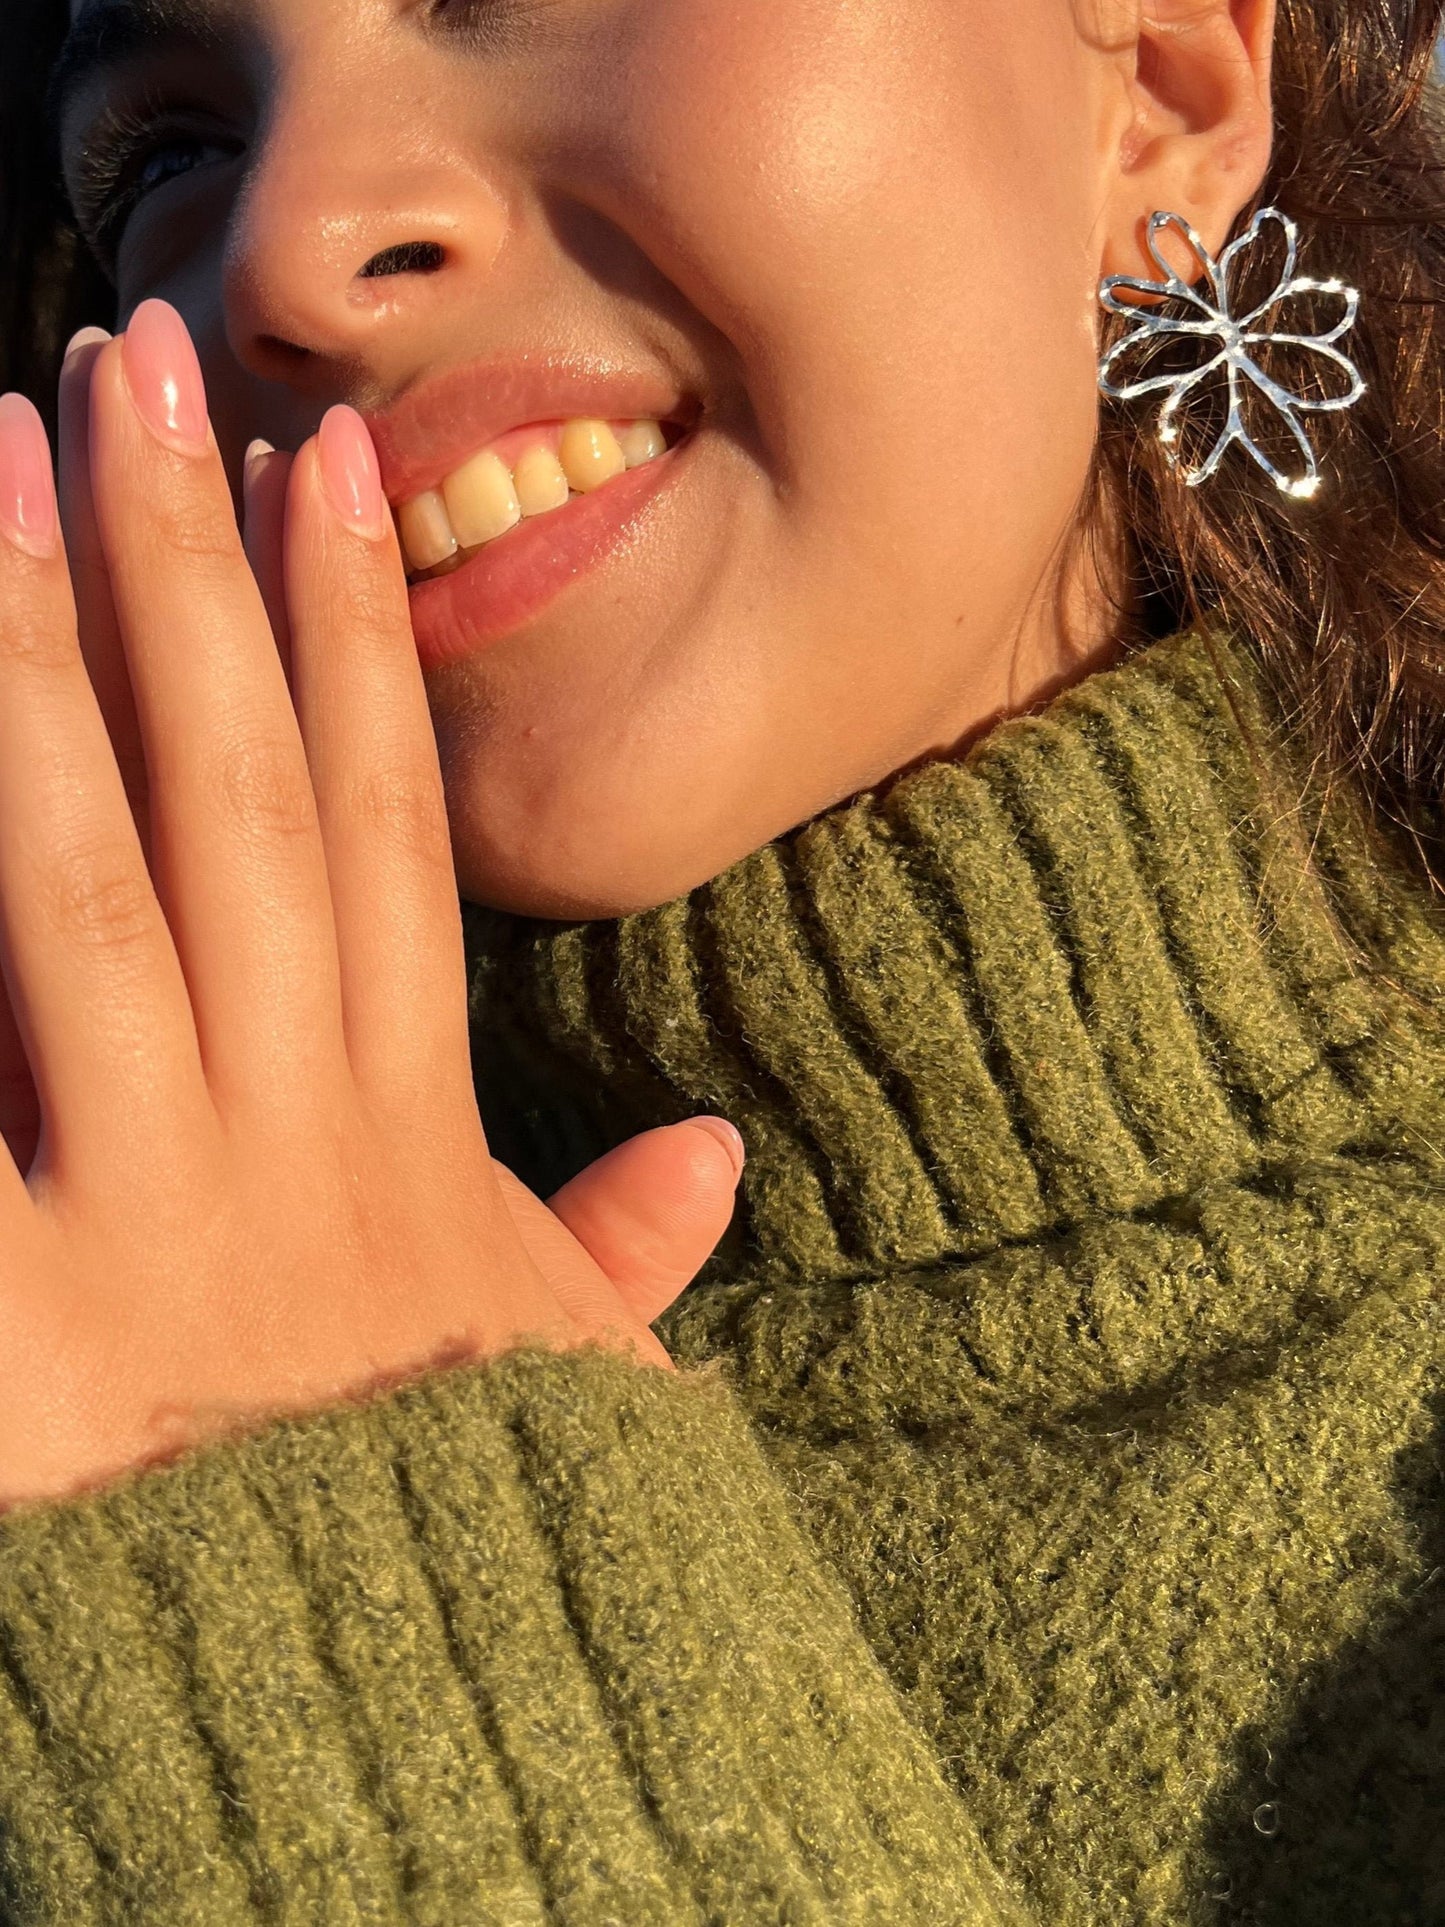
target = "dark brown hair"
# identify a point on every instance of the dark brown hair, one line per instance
(1343, 595)
(49, 285)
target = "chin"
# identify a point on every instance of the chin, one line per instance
(540, 883)
(570, 852)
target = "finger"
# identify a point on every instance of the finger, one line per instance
(92, 974)
(591, 1303)
(651, 1212)
(100, 642)
(362, 705)
(235, 842)
(264, 498)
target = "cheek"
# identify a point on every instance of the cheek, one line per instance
(776, 136)
(885, 210)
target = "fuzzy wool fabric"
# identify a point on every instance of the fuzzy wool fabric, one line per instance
(1046, 1522)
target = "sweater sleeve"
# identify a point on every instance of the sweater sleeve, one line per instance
(539, 1640)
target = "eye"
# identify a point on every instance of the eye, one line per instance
(166, 160)
(126, 157)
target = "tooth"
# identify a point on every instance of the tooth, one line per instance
(481, 502)
(640, 441)
(589, 455)
(540, 481)
(426, 530)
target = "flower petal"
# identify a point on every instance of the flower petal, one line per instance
(1230, 432)
(1298, 302)
(1175, 282)
(1285, 405)
(1334, 358)
(1200, 302)
(1168, 428)
(1143, 344)
(1244, 251)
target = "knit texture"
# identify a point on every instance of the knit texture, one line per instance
(1087, 1295)
(1046, 1521)
(535, 1642)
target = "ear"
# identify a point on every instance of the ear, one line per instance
(1200, 129)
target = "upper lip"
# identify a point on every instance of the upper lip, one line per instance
(431, 429)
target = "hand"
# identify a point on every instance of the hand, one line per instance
(260, 1182)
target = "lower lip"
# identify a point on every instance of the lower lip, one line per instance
(511, 579)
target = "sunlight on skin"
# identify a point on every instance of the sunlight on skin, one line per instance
(865, 242)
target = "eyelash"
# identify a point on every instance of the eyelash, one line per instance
(105, 189)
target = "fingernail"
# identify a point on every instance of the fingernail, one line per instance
(257, 452)
(350, 474)
(164, 377)
(85, 338)
(728, 1136)
(28, 515)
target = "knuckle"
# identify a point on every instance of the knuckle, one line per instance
(34, 638)
(261, 785)
(99, 898)
(196, 527)
(369, 604)
(404, 808)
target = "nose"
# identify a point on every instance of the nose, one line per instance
(349, 245)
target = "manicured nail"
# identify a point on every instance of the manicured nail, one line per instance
(164, 377)
(85, 338)
(28, 515)
(727, 1135)
(255, 454)
(350, 474)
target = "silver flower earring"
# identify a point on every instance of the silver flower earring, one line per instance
(1211, 318)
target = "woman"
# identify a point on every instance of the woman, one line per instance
(1023, 828)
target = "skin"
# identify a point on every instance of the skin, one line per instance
(877, 555)
(260, 975)
(228, 909)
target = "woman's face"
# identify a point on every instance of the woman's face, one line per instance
(848, 249)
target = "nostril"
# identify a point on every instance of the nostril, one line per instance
(410, 257)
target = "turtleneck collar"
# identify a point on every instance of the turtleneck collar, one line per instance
(1078, 974)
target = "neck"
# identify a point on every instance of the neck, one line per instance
(1078, 974)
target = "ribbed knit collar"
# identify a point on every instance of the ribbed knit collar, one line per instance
(1085, 971)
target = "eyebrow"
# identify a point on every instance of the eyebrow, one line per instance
(109, 34)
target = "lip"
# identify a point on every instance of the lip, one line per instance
(433, 428)
(513, 578)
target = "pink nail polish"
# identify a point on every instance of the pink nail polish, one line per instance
(349, 472)
(28, 515)
(164, 377)
(85, 338)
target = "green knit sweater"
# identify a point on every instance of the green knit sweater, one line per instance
(1046, 1524)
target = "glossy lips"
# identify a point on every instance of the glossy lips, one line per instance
(505, 582)
(496, 541)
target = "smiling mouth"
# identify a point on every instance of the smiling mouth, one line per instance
(529, 472)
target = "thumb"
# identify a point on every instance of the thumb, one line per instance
(650, 1213)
